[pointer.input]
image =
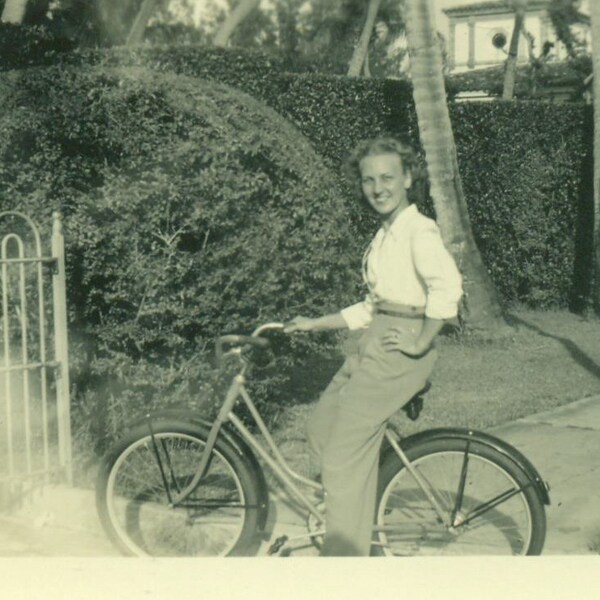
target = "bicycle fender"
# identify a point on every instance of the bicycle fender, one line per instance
(230, 435)
(485, 439)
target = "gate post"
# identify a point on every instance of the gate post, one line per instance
(61, 347)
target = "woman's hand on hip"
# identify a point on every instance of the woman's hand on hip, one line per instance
(401, 340)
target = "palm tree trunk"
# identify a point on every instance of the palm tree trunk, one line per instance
(14, 11)
(481, 303)
(595, 14)
(362, 47)
(367, 65)
(287, 22)
(136, 34)
(242, 9)
(513, 50)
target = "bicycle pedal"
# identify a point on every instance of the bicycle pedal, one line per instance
(276, 546)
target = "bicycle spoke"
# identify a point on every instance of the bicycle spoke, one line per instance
(160, 467)
(170, 467)
(486, 506)
(483, 508)
(461, 485)
(209, 520)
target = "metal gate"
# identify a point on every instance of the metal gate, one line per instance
(35, 430)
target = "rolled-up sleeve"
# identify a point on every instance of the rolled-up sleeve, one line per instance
(437, 268)
(359, 315)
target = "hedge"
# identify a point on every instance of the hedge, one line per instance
(509, 154)
(523, 167)
(191, 210)
(522, 163)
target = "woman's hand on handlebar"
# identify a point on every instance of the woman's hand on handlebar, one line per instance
(298, 324)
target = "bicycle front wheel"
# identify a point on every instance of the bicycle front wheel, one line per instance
(144, 472)
(489, 502)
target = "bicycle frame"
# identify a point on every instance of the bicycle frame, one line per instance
(418, 491)
(271, 455)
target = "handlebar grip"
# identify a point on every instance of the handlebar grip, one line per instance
(238, 340)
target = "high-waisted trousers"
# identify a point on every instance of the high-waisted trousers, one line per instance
(347, 426)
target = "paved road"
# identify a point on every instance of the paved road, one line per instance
(564, 444)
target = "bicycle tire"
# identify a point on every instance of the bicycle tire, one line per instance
(406, 523)
(220, 518)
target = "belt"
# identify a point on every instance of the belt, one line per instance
(400, 310)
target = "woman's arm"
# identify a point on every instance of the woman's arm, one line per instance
(437, 268)
(331, 321)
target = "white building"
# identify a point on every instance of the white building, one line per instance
(479, 33)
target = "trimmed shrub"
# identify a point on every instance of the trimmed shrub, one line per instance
(522, 163)
(333, 111)
(190, 209)
(31, 45)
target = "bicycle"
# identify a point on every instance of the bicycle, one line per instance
(179, 485)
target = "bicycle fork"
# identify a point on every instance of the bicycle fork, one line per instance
(230, 399)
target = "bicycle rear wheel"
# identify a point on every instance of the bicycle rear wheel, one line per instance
(491, 502)
(143, 472)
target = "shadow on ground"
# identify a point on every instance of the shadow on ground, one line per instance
(578, 355)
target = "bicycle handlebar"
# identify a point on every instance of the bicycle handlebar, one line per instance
(242, 340)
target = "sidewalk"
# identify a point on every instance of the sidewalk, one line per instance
(563, 444)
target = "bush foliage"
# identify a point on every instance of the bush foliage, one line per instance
(522, 167)
(25, 46)
(522, 163)
(190, 209)
(201, 194)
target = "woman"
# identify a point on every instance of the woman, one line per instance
(413, 288)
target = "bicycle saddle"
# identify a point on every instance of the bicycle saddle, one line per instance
(414, 406)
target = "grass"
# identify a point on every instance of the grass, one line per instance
(546, 359)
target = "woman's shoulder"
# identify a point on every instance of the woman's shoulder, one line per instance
(422, 223)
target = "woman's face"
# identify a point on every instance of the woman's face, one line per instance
(384, 183)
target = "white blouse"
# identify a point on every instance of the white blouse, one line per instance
(408, 264)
